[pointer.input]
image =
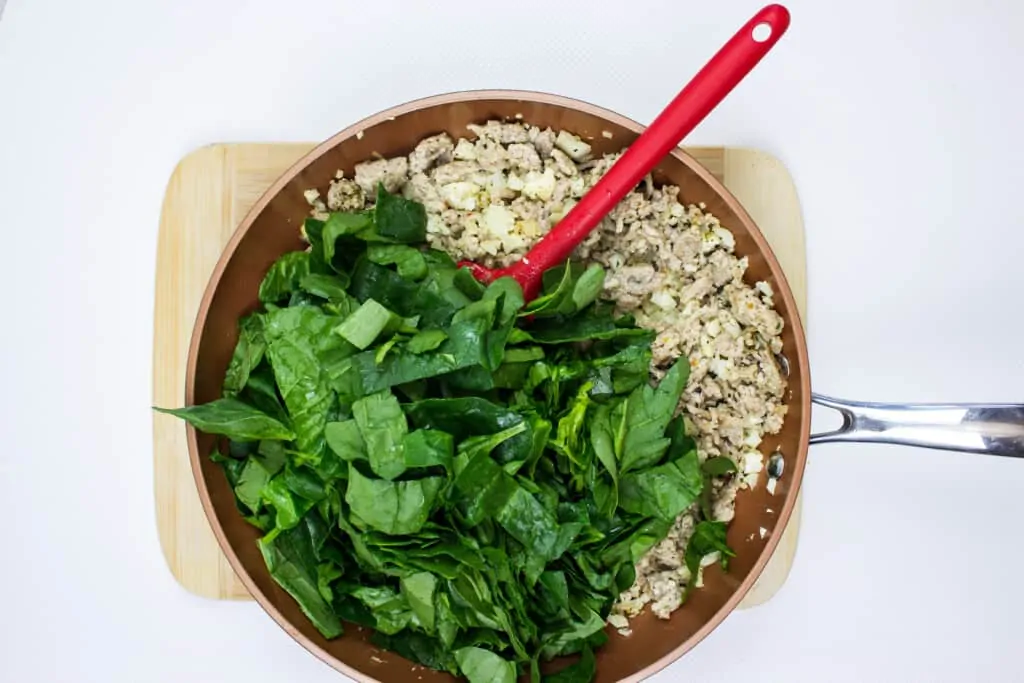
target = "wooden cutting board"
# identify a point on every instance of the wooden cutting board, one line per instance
(210, 192)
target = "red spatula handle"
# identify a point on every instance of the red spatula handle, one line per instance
(691, 105)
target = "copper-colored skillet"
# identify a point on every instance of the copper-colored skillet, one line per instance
(271, 229)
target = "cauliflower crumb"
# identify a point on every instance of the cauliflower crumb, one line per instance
(460, 195)
(573, 146)
(539, 185)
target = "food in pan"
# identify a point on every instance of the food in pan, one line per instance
(486, 482)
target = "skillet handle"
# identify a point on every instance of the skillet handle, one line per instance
(987, 428)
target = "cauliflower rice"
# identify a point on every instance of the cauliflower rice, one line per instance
(491, 196)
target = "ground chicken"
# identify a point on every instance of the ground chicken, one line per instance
(345, 195)
(392, 172)
(433, 149)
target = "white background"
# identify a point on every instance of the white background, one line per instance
(899, 121)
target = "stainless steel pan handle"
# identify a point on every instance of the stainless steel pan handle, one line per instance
(989, 428)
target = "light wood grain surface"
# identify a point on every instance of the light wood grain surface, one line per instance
(209, 194)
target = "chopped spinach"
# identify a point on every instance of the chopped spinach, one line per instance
(247, 355)
(472, 476)
(284, 277)
(708, 537)
(399, 219)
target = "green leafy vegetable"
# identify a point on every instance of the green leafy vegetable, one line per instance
(427, 340)
(582, 671)
(382, 426)
(345, 439)
(341, 225)
(418, 590)
(426, 448)
(284, 277)
(233, 419)
(404, 297)
(409, 261)
(399, 219)
(718, 466)
(708, 537)
(663, 491)
(291, 559)
(301, 348)
(392, 507)
(587, 287)
(471, 476)
(331, 287)
(365, 324)
(261, 392)
(247, 355)
(648, 413)
(483, 666)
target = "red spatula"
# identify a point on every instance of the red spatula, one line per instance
(702, 94)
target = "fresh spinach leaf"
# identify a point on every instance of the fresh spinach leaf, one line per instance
(483, 666)
(362, 375)
(383, 428)
(648, 413)
(607, 434)
(589, 285)
(232, 418)
(549, 303)
(575, 638)
(408, 260)
(442, 274)
(390, 610)
(345, 439)
(681, 443)
(708, 537)
(521, 354)
(300, 347)
(330, 287)
(254, 476)
(718, 466)
(289, 508)
(633, 542)
(420, 648)
(366, 323)
(392, 507)
(339, 226)
(474, 416)
(470, 287)
(399, 219)
(425, 448)
(261, 391)
(404, 297)
(582, 671)
(284, 277)
(482, 487)
(582, 328)
(418, 590)
(663, 491)
(247, 354)
(427, 340)
(291, 560)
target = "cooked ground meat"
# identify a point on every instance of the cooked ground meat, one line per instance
(490, 197)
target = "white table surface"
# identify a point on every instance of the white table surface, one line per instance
(899, 121)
